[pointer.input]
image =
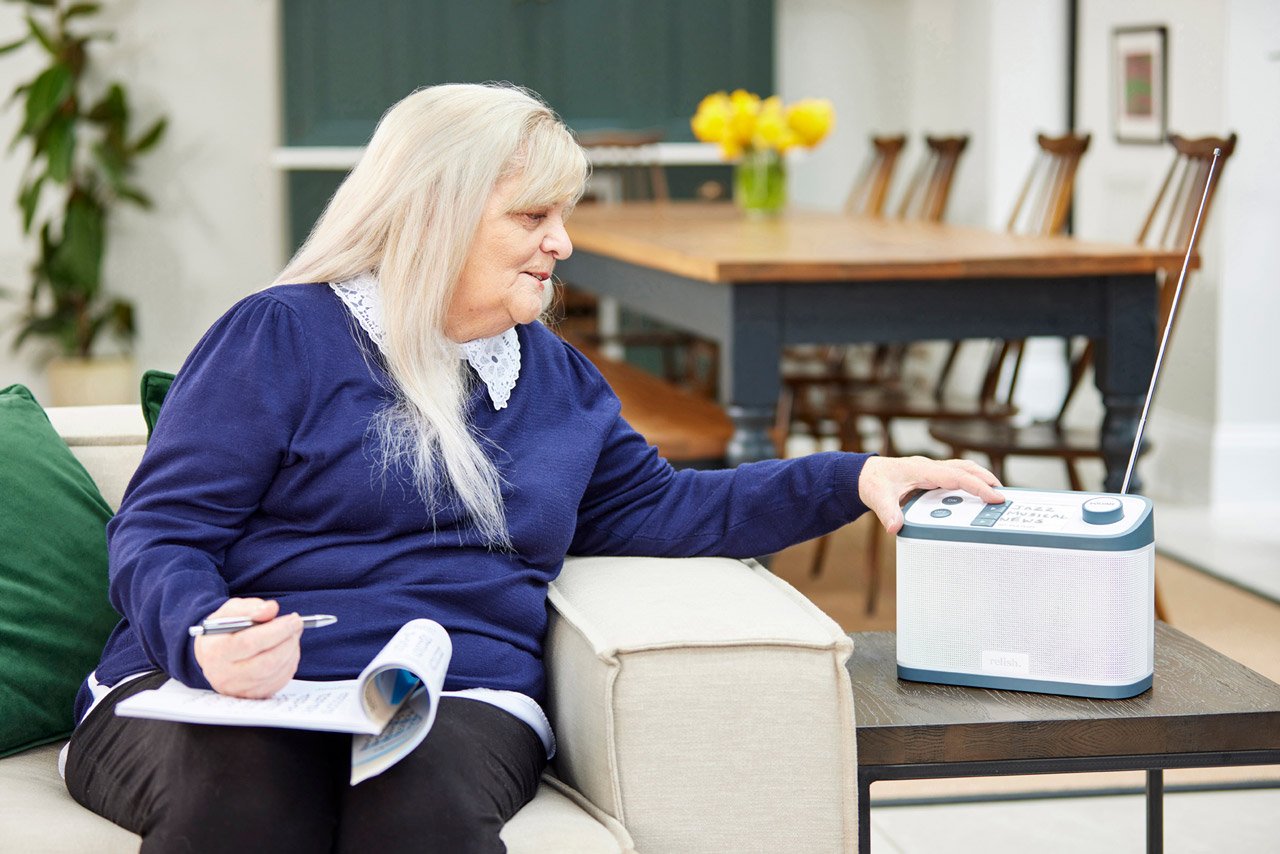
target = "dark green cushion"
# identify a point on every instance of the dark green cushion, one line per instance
(155, 385)
(54, 615)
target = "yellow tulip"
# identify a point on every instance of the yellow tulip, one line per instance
(710, 123)
(771, 125)
(714, 99)
(742, 120)
(811, 119)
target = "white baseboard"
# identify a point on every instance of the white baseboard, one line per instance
(1178, 467)
(1195, 461)
(1246, 464)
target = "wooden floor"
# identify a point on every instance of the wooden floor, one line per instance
(1235, 622)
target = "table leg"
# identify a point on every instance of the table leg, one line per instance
(750, 440)
(864, 814)
(1155, 811)
(1124, 357)
(749, 360)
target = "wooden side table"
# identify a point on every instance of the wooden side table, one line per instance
(1204, 710)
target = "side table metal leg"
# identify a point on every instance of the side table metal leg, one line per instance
(864, 813)
(1155, 811)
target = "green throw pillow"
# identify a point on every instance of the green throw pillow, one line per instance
(54, 614)
(155, 385)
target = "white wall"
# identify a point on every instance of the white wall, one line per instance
(15, 259)
(1025, 88)
(1216, 421)
(946, 50)
(216, 232)
(1113, 198)
(992, 69)
(851, 54)
(1247, 441)
(1026, 93)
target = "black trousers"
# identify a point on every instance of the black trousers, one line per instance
(202, 788)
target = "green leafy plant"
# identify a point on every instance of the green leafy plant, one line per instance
(82, 156)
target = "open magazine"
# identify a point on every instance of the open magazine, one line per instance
(389, 707)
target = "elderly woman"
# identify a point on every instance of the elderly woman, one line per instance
(385, 434)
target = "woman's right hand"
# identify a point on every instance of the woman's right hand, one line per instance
(256, 662)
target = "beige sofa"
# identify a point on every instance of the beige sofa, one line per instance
(701, 705)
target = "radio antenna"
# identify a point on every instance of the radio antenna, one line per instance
(1168, 325)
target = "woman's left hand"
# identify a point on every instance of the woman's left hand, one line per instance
(885, 481)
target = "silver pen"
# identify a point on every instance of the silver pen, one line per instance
(227, 625)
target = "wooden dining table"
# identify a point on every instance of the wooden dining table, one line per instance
(756, 286)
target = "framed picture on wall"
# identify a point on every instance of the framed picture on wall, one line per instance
(1139, 72)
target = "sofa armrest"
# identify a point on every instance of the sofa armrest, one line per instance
(704, 704)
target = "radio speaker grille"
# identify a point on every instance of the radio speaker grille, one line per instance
(1077, 616)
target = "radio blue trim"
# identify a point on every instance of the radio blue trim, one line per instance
(1038, 686)
(1142, 533)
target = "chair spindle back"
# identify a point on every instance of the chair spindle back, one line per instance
(1045, 200)
(871, 189)
(930, 187)
(1168, 225)
(642, 176)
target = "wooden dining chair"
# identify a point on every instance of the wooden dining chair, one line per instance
(871, 188)
(630, 155)
(1041, 208)
(1167, 226)
(1045, 200)
(928, 191)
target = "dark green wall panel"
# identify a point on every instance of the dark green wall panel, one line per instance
(599, 63)
(308, 192)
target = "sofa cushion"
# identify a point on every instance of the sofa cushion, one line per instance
(155, 385)
(54, 615)
(37, 815)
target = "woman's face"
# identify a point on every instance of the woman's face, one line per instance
(507, 276)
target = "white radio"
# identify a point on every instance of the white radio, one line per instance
(1050, 592)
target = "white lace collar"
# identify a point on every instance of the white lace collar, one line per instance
(495, 360)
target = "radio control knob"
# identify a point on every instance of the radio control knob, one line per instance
(1102, 510)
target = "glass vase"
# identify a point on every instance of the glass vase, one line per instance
(760, 183)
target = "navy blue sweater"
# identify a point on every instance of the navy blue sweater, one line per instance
(259, 481)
